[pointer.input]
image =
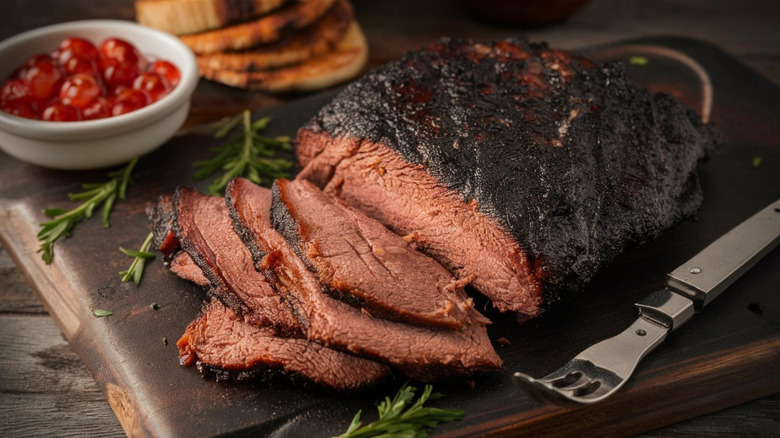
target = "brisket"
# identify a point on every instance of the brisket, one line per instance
(160, 215)
(358, 260)
(421, 353)
(205, 231)
(523, 167)
(231, 348)
(185, 268)
(224, 344)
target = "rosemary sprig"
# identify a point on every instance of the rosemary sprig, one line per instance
(62, 221)
(414, 422)
(136, 270)
(245, 153)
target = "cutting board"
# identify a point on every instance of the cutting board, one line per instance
(722, 357)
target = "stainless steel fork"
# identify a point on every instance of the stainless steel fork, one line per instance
(605, 367)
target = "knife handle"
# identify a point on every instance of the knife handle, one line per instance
(715, 268)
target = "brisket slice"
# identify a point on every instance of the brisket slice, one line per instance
(185, 268)
(160, 215)
(358, 260)
(205, 231)
(526, 167)
(421, 353)
(223, 343)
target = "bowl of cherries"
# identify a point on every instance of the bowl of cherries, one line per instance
(89, 94)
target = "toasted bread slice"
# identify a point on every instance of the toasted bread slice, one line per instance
(312, 41)
(189, 16)
(264, 30)
(343, 63)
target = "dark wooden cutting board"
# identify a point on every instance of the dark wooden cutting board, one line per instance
(727, 355)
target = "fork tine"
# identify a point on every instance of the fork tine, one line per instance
(542, 391)
(560, 373)
(582, 382)
(599, 370)
(539, 391)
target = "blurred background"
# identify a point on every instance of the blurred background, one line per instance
(748, 30)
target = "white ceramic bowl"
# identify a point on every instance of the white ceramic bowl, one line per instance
(103, 142)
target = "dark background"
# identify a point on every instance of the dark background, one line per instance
(44, 388)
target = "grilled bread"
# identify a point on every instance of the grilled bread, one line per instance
(344, 62)
(181, 17)
(312, 41)
(264, 30)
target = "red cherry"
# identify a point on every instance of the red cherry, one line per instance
(168, 71)
(15, 90)
(77, 64)
(152, 83)
(37, 59)
(122, 51)
(99, 108)
(58, 112)
(21, 109)
(130, 100)
(79, 90)
(115, 73)
(114, 92)
(45, 79)
(71, 47)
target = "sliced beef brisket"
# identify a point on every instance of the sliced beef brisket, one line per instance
(526, 167)
(421, 353)
(230, 347)
(358, 260)
(183, 266)
(160, 215)
(205, 231)
(220, 340)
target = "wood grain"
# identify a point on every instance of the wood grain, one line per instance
(53, 382)
(747, 30)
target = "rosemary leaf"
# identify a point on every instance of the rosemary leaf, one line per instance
(139, 254)
(245, 153)
(398, 419)
(53, 212)
(94, 194)
(136, 270)
(107, 209)
(225, 130)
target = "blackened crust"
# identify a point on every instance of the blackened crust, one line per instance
(568, 156)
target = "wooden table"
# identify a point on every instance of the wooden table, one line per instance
(44, 388)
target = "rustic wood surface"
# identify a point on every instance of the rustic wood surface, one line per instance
(46, 391)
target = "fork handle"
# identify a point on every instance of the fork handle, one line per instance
(716, 267)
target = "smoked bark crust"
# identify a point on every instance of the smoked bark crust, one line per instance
(566, 156)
